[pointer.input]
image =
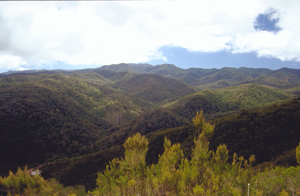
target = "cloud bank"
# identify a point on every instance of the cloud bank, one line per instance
(36, 35)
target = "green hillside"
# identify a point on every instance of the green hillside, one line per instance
(153, 88)
(77, 121)
(248, 132)
(291, 76)
(57, 115)
(216, 78)
(250, 95)
(219, 102)
(231, 75)
(266, 132)
(123, 67)
(203, 78)
(282, 78)
(167, 70)
(150, 122)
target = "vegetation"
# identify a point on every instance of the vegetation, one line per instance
(55, 116)
(75, 123)
(204, 78)
(224, 101)
(206, 173)
(154, 88)
(277, 152)
(262, 132)
(23, 183)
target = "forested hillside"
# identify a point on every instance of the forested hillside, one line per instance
(220, 102)
(202, 78)
(262, 132)
(215, 78)
(207, 172)
(58, 115)
(74, 122)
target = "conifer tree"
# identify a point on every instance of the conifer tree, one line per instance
(126, 176)
(201, 152)
(134, 164)
(167, 169)
(207, 173)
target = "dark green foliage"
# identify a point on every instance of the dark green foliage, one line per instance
(81, 170)
(49, 116)
(89, 114)
(61, 115)
(261, 132)
(183, 135)
(207, 172)
(156, 120)
(41, 121)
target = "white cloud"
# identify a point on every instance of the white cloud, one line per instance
(283, 45)
(11, 62)
(35, 34)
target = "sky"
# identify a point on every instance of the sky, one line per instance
(186, 33)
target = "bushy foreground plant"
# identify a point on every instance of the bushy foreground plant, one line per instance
(22, 183)
(207, 173)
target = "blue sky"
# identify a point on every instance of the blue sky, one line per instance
(266, 21)
(194, 33)
(185, 59)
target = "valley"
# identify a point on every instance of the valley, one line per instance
(75, 122)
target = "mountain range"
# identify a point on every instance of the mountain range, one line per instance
(74, 122)
(203, 78)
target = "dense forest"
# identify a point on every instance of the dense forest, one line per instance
(206, 173)
(75, 124)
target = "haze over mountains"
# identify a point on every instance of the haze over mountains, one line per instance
(88, 114)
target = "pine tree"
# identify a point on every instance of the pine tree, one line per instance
(167, 169)
(201, 152)
(126, 176)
